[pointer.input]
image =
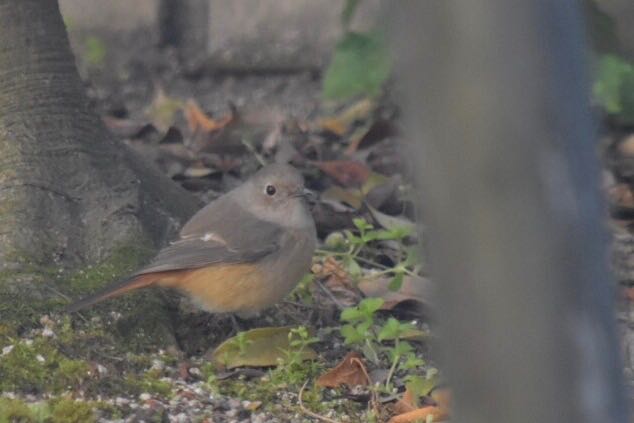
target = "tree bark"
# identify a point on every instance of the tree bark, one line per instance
(70, 194)
(496, 97)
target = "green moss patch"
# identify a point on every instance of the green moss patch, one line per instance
(59, 410)
(38, 367)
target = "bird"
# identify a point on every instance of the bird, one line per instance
(241, 253)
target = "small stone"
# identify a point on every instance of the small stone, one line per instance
(157, 364)
(40, 358)
(121, 401)
(180, 418)
(102, 370)
(195, 371)
(145, 396)
(6, 350)
(48, 332)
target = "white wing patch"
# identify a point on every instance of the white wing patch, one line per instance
(210, 236)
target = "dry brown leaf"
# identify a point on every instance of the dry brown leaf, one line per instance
(412, 289)
(346, 172)
(351, 372)
(442, 397)
(406, 404)
(197, 120)
(420, 415)
(331, 268)
(338, 281)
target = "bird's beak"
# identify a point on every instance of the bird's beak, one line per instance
(305, 193)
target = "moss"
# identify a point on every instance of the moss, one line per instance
(39, 367)
(13, 410)
(123, 260)
(149, 382)
(58, 410)
(66, 410)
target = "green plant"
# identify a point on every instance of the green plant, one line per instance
(354, 248)
(359, 66)
(293, 368)
(614, 87)
(362, 328)
(360, 63)
(95, 51)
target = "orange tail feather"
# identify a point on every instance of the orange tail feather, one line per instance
(114, 290)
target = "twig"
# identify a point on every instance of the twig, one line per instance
(375, 396)
(307, 411)
(329, 294)
(249, 145)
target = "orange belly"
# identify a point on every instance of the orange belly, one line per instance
(226, 288)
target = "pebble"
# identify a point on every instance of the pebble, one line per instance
(48, 332)
(145, 396)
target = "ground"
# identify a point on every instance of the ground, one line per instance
(209, 130)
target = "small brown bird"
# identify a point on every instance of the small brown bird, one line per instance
(241, 253)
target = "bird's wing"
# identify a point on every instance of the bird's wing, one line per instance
(221, 233)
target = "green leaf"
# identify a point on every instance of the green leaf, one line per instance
(360, 65)
(352, 335)
(352, 266)
(361, 224)
(352, 314)
(420, 386)
(390, 330)
(396, 282)
(368, 306)
(614, 87)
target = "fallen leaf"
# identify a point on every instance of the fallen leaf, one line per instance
(442, 397)
(346, 172)
(336, 196)
(420, 415)
(406, 404)
(369, 135)
(392, 222)
(197, 170)
(351, 372)
(261, 347)
(412, 289)
(162, 110)
(199, 121)
(340, 124)
(338, 281)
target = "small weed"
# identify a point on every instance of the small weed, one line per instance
(362, 329)
(357, 247)
(293, 369)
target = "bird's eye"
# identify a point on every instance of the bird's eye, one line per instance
(270, 190)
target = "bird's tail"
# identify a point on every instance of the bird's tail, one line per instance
(114, 290)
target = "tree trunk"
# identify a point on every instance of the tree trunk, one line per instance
(70, 195)
(497, 98)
